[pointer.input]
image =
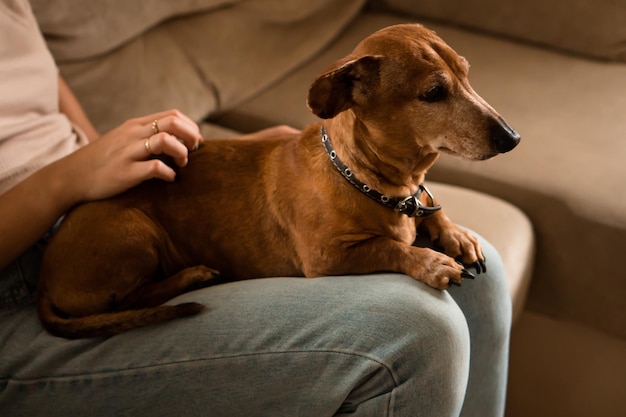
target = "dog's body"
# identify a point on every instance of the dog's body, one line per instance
(280, 207)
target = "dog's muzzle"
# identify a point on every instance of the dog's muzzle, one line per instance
(503, 136)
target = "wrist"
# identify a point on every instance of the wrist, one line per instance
(63, 189)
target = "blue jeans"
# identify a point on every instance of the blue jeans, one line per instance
(373, 345)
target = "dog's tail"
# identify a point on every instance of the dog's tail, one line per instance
(109, 324)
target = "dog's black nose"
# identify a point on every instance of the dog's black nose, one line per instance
(504, 137)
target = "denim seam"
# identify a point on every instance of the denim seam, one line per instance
(192, 361)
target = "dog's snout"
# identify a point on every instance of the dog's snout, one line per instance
(504, 137)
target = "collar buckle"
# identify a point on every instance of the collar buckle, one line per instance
(412, 206)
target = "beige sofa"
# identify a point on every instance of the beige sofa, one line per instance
(555, 207)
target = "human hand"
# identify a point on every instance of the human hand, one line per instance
(274, 131)
(122, 158)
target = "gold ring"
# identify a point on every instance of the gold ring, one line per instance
(155, 127)
(146, 144)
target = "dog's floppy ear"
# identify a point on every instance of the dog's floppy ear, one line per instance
(333, 91)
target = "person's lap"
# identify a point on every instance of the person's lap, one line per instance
(280, 346)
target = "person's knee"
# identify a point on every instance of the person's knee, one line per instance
(432, 334)
(419, 324)
(421, 336)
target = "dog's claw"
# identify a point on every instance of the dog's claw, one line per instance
(479, 266)
(484, 265)
(452, 282)
(467, 274)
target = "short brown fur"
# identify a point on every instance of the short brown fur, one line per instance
(278, 207)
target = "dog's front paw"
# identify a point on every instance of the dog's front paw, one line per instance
(463, 247)
(441, 271)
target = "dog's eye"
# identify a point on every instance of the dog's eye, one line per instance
(437, 93)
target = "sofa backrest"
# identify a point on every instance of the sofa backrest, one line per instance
(594, 28)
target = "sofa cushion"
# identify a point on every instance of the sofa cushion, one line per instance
(200, 63)
(592, 28)
(78, 29)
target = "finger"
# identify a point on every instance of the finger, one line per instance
(280, 130)
(186, 132)
(148, 119)
(166, 144)
(153, 168)
(173, 122)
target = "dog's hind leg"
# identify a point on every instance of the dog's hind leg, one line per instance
(156, 293)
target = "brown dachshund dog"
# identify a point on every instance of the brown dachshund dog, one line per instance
(345, 196)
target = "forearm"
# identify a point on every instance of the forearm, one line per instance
(69, 105)
(29, 209)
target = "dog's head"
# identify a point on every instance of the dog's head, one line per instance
(405, 82)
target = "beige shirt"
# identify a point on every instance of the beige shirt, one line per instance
(32, 131)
